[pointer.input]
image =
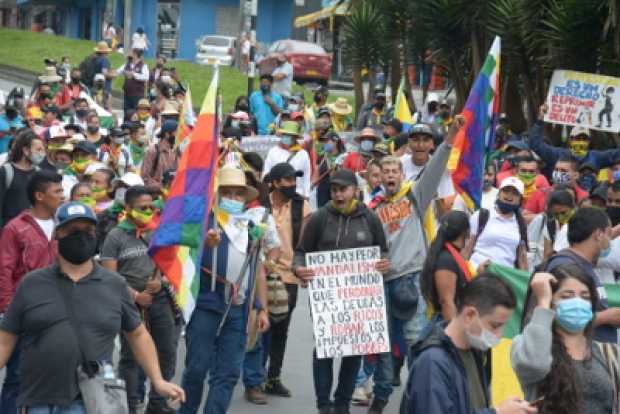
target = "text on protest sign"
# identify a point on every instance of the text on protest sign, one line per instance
(584, 99)
(347, 302)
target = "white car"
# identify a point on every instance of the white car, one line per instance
(216, 49)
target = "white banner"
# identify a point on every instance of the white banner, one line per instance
(347, 302)
(584, 99)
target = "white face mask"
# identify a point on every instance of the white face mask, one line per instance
(483, 342)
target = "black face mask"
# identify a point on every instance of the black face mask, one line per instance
(506, 208)
(243, 107)
(171, 140)
(75, 80)
(81, 113)
(379, 105)
(265, 88)
(11, 113)
(288, 192)
(614, 215)
(318, 98)
(92, 128)
(78, 247)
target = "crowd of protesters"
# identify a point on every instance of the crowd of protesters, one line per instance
(81, 194)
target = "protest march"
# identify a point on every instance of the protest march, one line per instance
(416, 258)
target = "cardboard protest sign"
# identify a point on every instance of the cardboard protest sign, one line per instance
(347, 302)
(584, 99)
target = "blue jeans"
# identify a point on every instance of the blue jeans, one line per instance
(220, 357)
(409, 331)
(322, 370)
(254, 366)
(10, 388)
(77, 407)
(367, 370)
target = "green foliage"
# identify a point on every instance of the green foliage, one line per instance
(365, 34)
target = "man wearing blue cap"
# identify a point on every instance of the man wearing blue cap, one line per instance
(50, 311)
(160, 157)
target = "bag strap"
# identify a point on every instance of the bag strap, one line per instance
(483, 219)
(156, 161)
(9, 173)
(68, 305)
(297, 207)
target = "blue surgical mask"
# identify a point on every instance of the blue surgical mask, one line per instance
(367, 145)
(287, 140)
(231, 206)
(328, 147)
(573, 314)
(587, 181)
(616, 175)
(605, 252)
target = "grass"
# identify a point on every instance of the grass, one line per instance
(27, 50)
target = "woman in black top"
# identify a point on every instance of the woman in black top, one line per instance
(445, 270)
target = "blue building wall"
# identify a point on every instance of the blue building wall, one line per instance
(274, 20)
(144, 14)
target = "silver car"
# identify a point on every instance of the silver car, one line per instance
(216, 49)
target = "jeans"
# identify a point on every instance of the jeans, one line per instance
(161, 324)
(322, 370)
(130, 104)
(367, 370)
(10, 388)
(254, 366)
(220, 357)
(384, 371)
(278, 335)
(77, 407)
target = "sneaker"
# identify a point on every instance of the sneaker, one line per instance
(369, 388)
(255, 395)
(359, 397)
(377, 406)
(275, 387)
(340, 409)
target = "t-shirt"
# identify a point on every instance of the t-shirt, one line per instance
(5, 126)
(412, 172)
(603, 333)
(596, 384)
(131, 254)
(300, 161)
(50, 352)
(47, 225)
(263, 113)
(283, 87)
(101, 63)
(498, 241)
(445, 261)
(14, 200)
(477, 399)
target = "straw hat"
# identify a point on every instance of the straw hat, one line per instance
(50, 75)
(231, 176)
(102, 47)
(367, 133)
(144, 103)
(170, 108)
(341, 107)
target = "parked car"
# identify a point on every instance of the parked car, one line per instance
(310, 61)
(216, 49)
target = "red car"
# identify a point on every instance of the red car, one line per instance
(310, 61)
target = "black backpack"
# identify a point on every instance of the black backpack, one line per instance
(88, 68)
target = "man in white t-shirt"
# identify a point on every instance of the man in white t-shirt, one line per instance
(289, 150)
(27, 244)
(421, 143)
(282, 77)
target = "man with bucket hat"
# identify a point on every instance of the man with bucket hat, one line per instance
(216, 332)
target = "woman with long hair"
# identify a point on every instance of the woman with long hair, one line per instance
(558, 364)
(445, 270)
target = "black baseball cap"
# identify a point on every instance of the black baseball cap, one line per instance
(85, 146)
(282, 170)
(343, 177)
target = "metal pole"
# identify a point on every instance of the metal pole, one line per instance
(252, 64)
(241, 31)
(127, 28)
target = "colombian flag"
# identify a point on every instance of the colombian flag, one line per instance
(466, 161)
(177, 245)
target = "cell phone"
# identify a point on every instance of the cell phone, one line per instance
(537, 402)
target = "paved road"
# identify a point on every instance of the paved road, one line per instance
(297, 371)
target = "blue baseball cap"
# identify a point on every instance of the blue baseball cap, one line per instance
(169, 126)
(69, 212)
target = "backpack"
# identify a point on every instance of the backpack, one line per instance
(277, 298)
(483, 219)
(88, 68)
(9, 174)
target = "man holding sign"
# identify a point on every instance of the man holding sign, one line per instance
(343, 223)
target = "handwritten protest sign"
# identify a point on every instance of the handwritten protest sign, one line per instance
(259, 143)
(584, 99)
(348, 303)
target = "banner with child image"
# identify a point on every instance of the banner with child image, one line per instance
(584, 99)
